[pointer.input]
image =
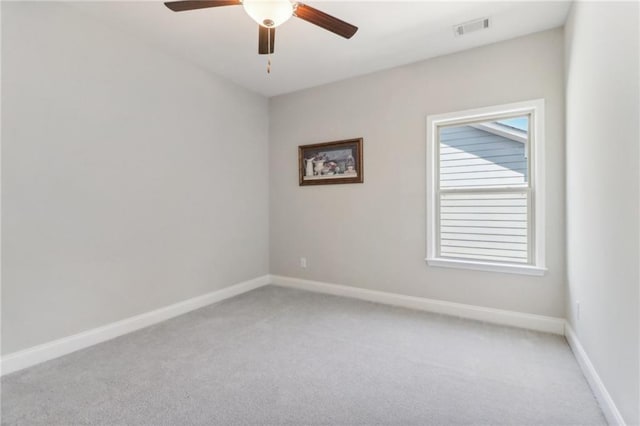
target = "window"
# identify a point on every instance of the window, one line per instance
(485, 189)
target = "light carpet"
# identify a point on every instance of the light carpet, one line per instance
(278, 356)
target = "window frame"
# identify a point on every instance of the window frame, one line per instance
(535, 188)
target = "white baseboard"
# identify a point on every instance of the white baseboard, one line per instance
(607, 405)
(47, 351)
(496, 316)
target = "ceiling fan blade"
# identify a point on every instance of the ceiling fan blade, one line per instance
(180, 6)
(325, 21)
(264, 44)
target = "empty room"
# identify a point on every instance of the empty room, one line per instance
(270, 212)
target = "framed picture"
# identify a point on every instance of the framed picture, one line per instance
(330, 162)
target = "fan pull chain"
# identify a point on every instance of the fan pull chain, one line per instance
(269, 50)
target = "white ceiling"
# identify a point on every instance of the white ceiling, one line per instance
(224, 40)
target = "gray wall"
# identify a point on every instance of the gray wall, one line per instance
(603, 200)
(372, 235)
(493, 159)
(130, 180)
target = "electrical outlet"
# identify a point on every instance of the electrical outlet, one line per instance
(303, 262)
(577, 309)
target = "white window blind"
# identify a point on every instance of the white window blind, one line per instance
(484, 225)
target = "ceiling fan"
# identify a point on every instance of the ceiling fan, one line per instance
(271, 13)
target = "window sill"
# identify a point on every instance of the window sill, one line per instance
(487, 266)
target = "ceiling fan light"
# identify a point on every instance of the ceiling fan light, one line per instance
(269, 13)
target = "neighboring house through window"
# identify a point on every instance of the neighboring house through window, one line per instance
(485, 187)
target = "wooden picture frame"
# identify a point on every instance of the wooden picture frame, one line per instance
(330, 163)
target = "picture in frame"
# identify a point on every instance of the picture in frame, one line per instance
(330, 162)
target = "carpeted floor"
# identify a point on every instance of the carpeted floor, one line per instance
(286, 357)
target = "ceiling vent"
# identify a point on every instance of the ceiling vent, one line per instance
(471, 26)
